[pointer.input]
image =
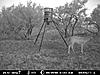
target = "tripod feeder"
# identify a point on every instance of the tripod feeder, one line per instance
(48, 12)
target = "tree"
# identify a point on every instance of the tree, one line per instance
(75, 8)
(96, 16)
(15, 18)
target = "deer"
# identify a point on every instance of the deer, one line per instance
(79, 40)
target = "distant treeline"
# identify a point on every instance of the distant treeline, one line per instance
(15, 20)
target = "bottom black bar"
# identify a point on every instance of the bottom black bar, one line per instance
(49, 72)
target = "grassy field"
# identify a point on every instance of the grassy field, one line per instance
(21, 54)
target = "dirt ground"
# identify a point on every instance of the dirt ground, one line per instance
(22, 54)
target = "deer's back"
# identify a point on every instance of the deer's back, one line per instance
(77, 39)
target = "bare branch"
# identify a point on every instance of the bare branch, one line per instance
(74, 25)
(96, 25)
(66, 32)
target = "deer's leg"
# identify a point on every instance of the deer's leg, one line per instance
(69, 49)
(82, 45)
(73, 47)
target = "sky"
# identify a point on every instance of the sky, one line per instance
(91, 4)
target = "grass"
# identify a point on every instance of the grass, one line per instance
(21, 54)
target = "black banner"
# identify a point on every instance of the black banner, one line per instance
(49, 72)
